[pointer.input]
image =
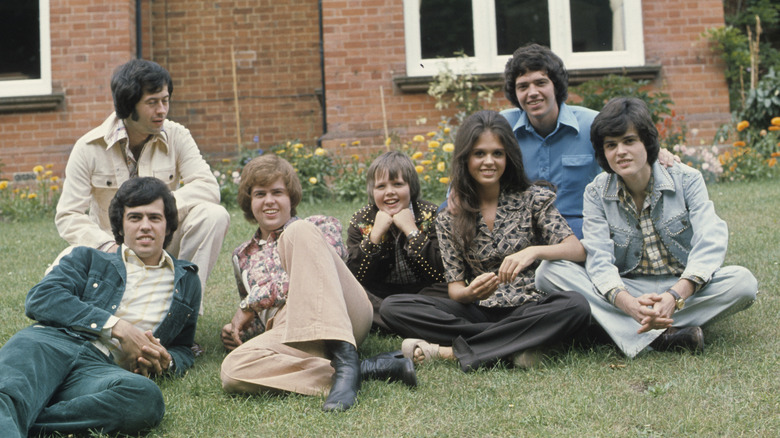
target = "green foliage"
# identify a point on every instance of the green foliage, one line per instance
(463, 90)
(732, 44)
(350, 183)
(314, 167)
(596, 93)
(763, 102)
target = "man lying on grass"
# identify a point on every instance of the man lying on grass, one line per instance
(654, 243)
(106, 323)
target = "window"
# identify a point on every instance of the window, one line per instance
(25, 69)
(584, 33)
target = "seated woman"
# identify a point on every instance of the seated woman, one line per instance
(655, 245)
(300, 305)
(496, 229)
(392, 242)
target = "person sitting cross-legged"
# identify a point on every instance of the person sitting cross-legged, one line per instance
(655, 246)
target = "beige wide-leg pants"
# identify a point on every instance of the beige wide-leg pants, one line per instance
(324, 302)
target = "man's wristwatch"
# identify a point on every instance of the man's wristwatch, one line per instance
(679, 302)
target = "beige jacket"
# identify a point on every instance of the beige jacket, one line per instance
(96, 168)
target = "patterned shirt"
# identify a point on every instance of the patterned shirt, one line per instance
(522, 219)
(655, 259)
(260, 277)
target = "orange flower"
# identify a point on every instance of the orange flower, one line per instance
(771, 162)
(775, 121)
(774, 127)
(742, 125)
(774, 155)
(739, 144)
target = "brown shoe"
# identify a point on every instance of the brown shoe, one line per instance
(686, 338)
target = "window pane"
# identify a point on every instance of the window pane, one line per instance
(597, 25)
(19, 40)
(519, 22)
(446, 27)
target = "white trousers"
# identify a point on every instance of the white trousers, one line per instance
(731, 289)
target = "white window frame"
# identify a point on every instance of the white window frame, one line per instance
(35, 87)
(486, 59)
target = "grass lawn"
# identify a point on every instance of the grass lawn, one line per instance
(733, 389)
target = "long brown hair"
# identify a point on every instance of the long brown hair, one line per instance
(464, 197)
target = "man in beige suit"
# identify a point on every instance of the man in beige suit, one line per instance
(138, 140)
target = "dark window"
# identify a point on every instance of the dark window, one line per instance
(521, 22)
(591, 26)
(446, 27)
(20, 40)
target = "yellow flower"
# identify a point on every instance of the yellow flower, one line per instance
(280, 152)
(431, 134)
(23, 196)
(312, 180)
(343, 145)
(54, 188)
(775, 121)
(741, 126)
(356, 143)
(419, 138)
(425, 162)
(54, 179)
(441, 166)
(355, 157)
(38, 169)
(433, 144)
(319, 152)
(417, 155)
(446, 130)
(3, 185)
(448, 147)
(32, 196)
(427, 177)
(444, 180)
(419, 169)
(307, 156)
(48, 173)
(226, 160)
(388, 140)
(739, 144)
(298, 145)
(49, 166)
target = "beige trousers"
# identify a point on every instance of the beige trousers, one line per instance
(324, 302)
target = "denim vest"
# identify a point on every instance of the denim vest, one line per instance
(683, 216)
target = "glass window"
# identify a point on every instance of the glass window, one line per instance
(24, 48)
(584, 33)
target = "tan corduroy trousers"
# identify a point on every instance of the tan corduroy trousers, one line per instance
(324, 302)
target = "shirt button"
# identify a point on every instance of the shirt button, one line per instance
(93, 325)
(114, 306)
(94, 285)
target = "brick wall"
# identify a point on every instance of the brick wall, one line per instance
(89, 38)
(692, 73)
(276, 47)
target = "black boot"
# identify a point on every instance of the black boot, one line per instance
(387, 366)
(346, 378)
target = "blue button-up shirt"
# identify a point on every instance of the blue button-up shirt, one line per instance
(565, 157)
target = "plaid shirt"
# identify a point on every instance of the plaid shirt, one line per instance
(655, 259)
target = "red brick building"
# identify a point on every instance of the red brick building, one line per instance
(261, 72)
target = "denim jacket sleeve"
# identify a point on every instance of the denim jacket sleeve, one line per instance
(707, 247)
(599, 246)
(177, 331)
(75, 294)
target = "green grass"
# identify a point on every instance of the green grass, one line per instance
(733, 389)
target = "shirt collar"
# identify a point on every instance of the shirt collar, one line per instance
(130, 257)
(566, 117)
(113, 131)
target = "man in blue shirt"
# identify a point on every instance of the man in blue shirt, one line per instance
(554, 137)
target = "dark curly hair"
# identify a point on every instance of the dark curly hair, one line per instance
(134, 78)
(142, 191)
(615, 119)
(534, 57)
